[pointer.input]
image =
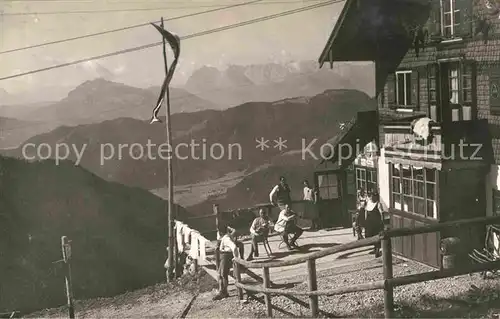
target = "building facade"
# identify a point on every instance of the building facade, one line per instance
(439, 111)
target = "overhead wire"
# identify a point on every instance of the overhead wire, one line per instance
(99, 11)
(130, 27)
(185, 37)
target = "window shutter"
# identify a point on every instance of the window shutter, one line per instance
(465, 28)
(415, 89)
(432, 73)
(494, 89)
(433, 25)
(391, 90)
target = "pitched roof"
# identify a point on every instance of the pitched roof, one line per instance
(373, 30)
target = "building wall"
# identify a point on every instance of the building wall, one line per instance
(493, 183)
(383, 181)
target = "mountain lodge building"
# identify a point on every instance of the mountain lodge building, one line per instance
(437, 70)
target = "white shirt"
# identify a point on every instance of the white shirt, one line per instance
(254, 225)
(271, 194)
(308, 193)
(282, 220)
(227, 244)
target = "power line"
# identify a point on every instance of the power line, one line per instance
(144, 9)
(186, 37)
(127, 28)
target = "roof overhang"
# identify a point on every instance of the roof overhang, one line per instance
(374, 30)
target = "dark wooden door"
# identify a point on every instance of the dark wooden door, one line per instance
(331, 207)
(423, 248)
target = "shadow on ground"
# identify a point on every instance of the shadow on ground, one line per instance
(476, 303)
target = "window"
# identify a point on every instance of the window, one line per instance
(451, 18)
(403, 88)
(453, 83)
(460, 90)
(366, 179)
(414, 190)
(328, 185)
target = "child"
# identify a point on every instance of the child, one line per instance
(228, 250)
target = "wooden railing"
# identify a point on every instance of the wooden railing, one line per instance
(189, 237)
(242, 218)
(387, 284)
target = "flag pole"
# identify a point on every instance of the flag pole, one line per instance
(171, 238)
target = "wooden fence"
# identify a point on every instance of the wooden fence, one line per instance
(387, 284)
(242, 218)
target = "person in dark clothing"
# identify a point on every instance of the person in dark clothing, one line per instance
(359, 220)
(374, 222)
(280, 195)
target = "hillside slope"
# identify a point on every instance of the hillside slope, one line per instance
(118, 234)
(297, 120)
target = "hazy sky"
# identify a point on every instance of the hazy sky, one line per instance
(22, 23)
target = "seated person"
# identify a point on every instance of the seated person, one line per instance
(228, 250)
(259, 232)
(286, 225)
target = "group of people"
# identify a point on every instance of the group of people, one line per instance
(280, 196)
(229, 247)
(369, 217)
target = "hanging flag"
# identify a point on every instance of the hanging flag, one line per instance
(175, 43)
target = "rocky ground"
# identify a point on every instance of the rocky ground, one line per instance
(162, 300)
(459, 297)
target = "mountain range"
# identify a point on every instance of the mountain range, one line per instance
(297, 121)
(271, 82)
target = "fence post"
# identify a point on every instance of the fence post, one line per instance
(388, 288)
(237, 278)
(217, 222)
(267, 297)
(66, 252)
(313, 286)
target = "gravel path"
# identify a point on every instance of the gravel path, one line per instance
(460, 297)
(162, 300)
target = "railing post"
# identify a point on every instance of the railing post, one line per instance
(267, 297)
(237, 278)
(388, 288)
(313, 286)
(66, 252)
(217, 221)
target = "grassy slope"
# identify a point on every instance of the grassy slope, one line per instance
(118, 234)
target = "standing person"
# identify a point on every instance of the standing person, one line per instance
(311, 210)
(220, 233)
(359, 221)
(317, 205)
(167, 268)
(228, 250)
(282, 194)
(374, 222)
(286, 225)
(259, 232)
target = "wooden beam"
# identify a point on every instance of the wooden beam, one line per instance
(322, 253)
(445, 273)
(399, 232)
(373, 285)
